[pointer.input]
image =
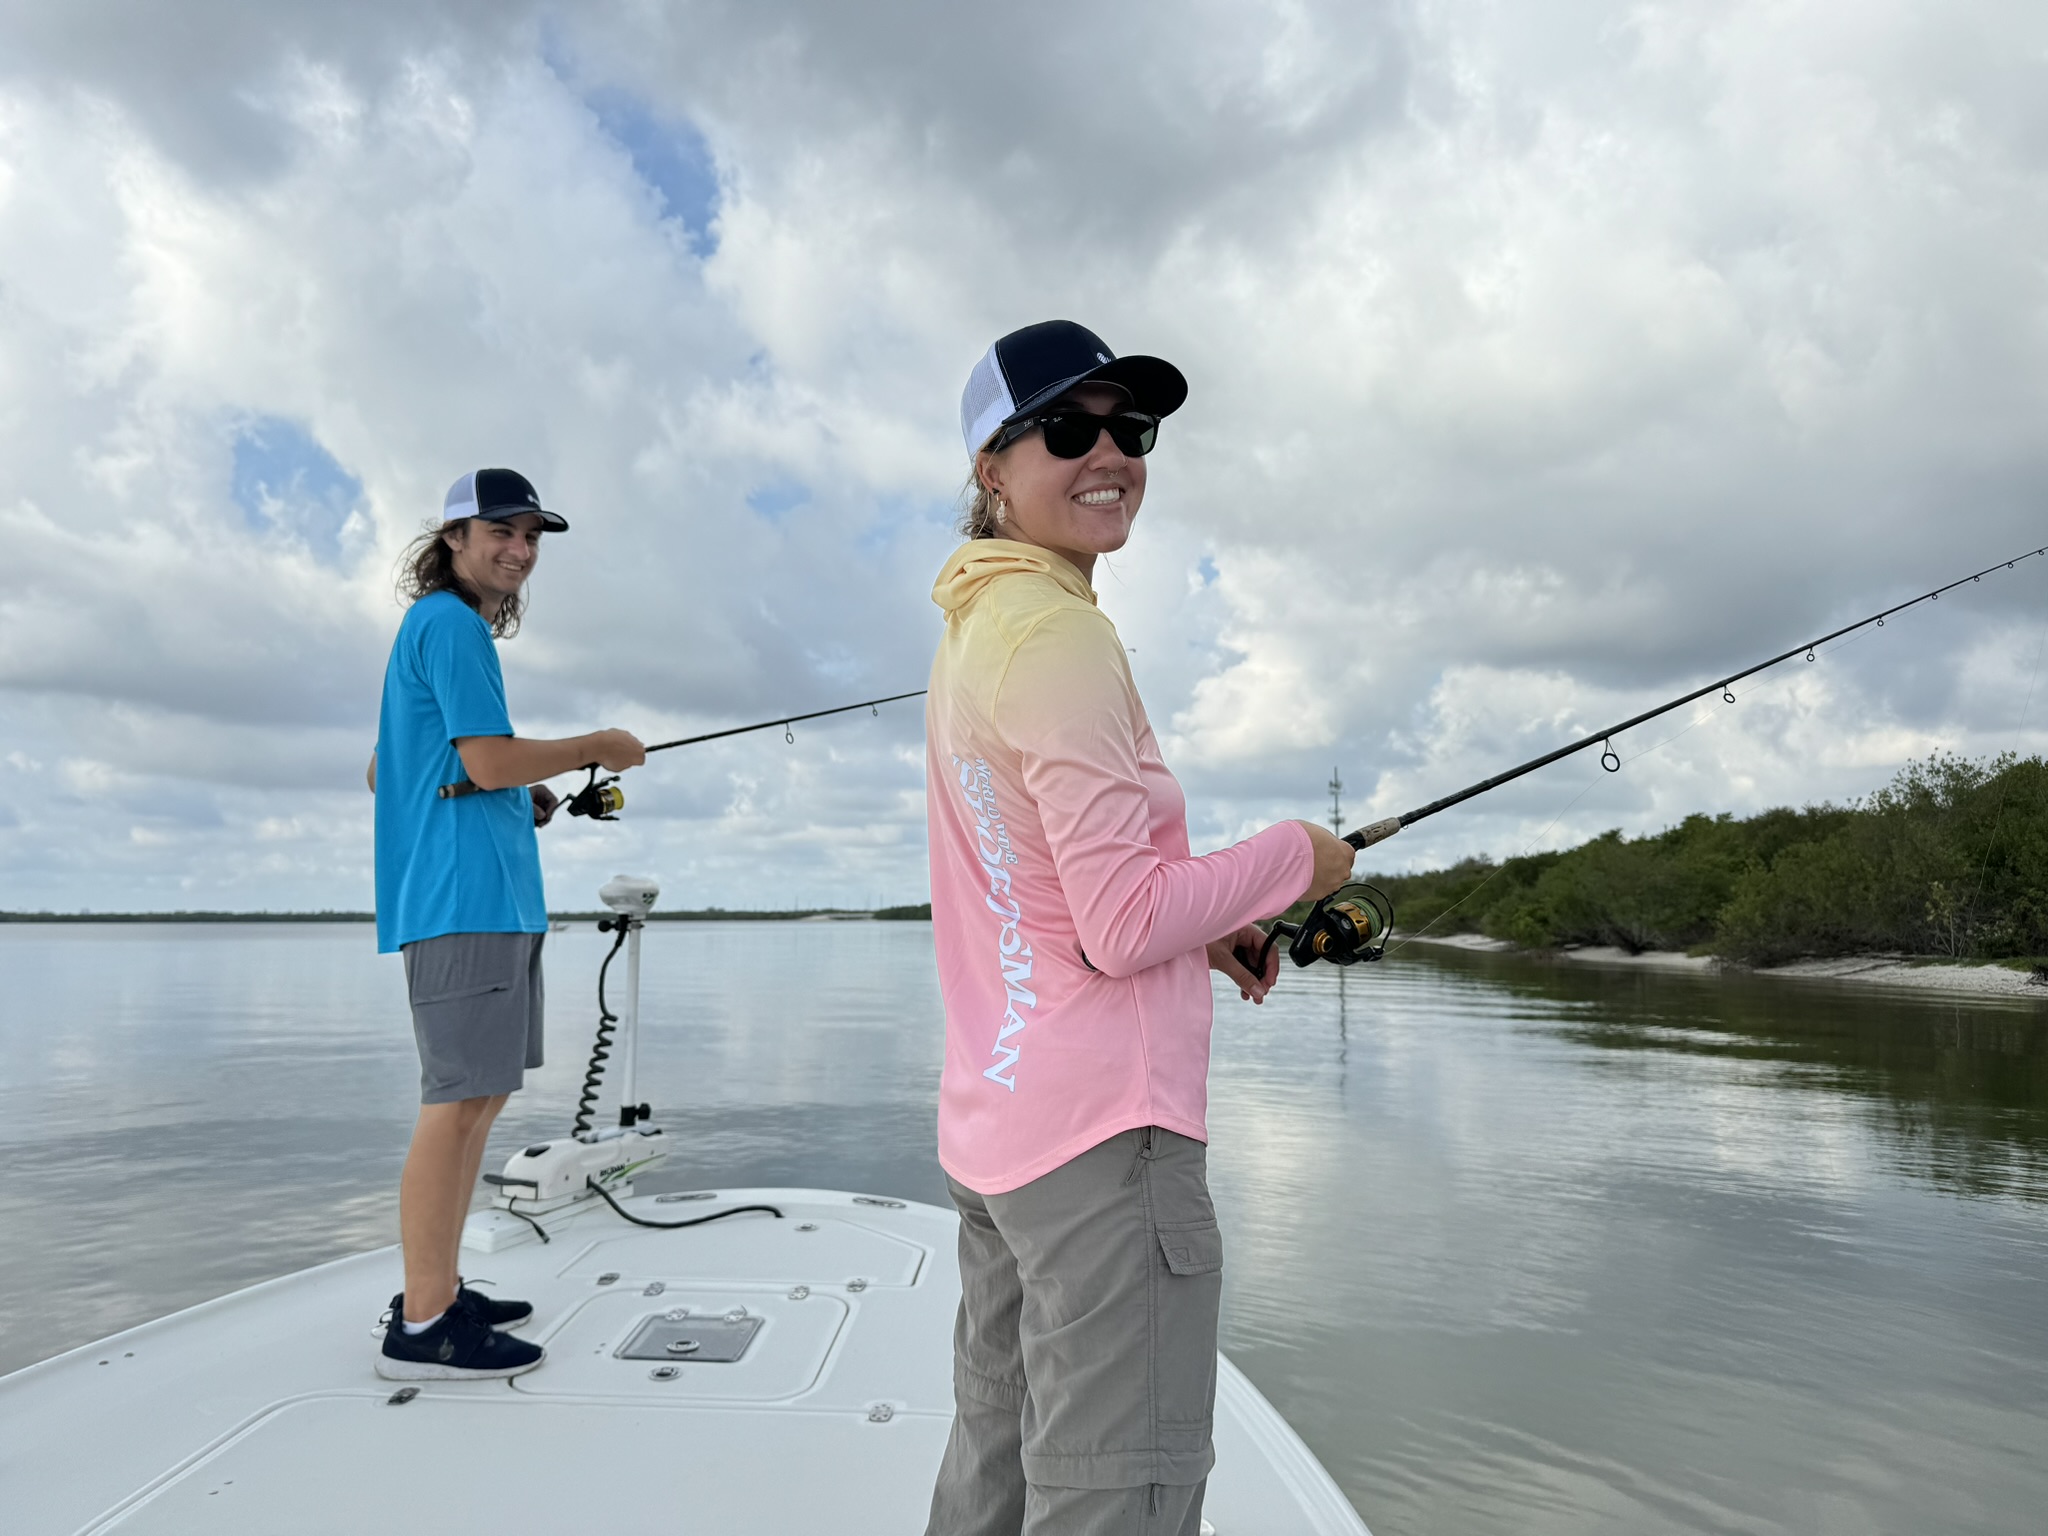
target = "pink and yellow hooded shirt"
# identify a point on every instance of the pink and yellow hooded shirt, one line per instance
(1069, 914)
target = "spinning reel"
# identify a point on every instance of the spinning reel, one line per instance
(599, 799)
(1346, 927)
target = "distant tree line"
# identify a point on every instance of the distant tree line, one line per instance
(699, 915)
(1950, 859)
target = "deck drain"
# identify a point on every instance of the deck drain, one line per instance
(665, 1373)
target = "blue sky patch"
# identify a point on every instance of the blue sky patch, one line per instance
(778, 498)
(919, 517)
(284, 481)
(1206, 569)
(668, 154)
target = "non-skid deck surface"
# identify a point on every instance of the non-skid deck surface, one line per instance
(261, 1413)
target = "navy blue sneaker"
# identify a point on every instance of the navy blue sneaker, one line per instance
(460, 1346)
(499, 1314)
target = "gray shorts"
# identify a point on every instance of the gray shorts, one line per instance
(1084, 1355)
(476, 1006)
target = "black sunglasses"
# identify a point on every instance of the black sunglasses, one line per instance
(1073, 434)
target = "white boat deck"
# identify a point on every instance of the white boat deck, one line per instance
(261, 1412)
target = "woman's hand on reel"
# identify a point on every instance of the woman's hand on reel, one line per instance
(1234, 955)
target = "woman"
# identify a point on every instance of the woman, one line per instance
(1075, 933)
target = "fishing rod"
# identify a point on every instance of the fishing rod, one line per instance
(602, 799)
(1352, 924)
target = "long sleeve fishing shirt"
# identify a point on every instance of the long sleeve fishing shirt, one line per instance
(1068, 911)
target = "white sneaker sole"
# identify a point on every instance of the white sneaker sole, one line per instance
(432, 1370)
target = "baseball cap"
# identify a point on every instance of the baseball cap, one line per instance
(496, 494)
(1029, 368)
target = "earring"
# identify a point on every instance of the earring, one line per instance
(1002, 511)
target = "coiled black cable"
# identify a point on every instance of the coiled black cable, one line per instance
(667, 1226)
(607, 1021)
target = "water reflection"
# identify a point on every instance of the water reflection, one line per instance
(1543, 1247)
(1956, 1089)
(1518, 1247)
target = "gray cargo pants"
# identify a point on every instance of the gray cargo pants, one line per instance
(1084, 1355)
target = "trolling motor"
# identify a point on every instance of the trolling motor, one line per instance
(586, 1163)
(1350, 926)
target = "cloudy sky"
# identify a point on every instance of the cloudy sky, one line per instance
(1546, 360)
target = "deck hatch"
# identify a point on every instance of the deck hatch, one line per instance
(697, 1340)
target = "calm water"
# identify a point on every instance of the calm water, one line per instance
(1518, 1247)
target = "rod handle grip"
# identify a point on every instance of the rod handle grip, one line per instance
(1377, 832)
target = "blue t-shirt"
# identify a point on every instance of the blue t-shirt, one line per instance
(470, 865)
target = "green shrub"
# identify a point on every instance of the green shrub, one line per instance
(1950, 858)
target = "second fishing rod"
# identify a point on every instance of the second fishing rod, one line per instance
(602, 799)
(1353, 924)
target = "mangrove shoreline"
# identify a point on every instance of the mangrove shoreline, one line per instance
(1913, 973)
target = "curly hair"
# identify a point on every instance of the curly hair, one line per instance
(978, 518)
(428, 565)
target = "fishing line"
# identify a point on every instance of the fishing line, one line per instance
(1482, 885)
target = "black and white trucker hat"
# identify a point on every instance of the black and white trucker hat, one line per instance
(496, 494)
(1035, 366)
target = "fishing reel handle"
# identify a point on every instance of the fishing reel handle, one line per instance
(1256, 964)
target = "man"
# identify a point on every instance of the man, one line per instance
(459, 892)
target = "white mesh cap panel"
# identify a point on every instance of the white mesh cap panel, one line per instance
(461, 499)
(985, 402)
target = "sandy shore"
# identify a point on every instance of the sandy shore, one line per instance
(1882, 970)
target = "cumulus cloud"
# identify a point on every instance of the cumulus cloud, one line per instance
(1543, 364)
